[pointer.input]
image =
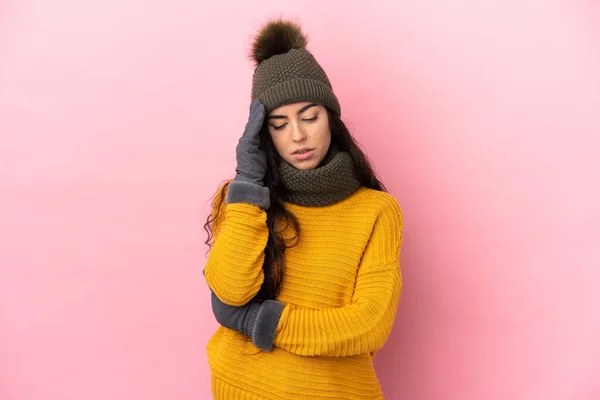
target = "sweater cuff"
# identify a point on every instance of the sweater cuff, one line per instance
(247, 192)
(265, 327)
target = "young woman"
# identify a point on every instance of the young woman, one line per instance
(304, 268)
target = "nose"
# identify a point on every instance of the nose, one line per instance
(297, 134)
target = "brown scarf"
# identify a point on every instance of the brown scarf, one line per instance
(332, 181)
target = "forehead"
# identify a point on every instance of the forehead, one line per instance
(291, 109)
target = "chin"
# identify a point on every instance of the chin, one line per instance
(305, 165)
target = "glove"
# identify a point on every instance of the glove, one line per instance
(258, 320)
(252, 161)
(248, 184)
(240, 318)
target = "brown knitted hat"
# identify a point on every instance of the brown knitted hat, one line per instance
(285, 71)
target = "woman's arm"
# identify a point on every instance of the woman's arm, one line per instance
(233, 269)
(357, 328)
(362, 326)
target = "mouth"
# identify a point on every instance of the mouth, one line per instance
(304, 154)
(303, 150)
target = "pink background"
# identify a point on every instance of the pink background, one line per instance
(119, 119)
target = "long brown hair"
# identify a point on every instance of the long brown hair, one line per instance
(274, 263)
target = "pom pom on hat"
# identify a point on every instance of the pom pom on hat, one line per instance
(277, 37)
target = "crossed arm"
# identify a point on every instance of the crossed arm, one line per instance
(362, 326)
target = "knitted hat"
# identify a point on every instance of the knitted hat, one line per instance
(285, 71)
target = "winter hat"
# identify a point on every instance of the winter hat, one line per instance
(285, 71)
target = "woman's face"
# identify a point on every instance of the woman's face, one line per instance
(300, 126)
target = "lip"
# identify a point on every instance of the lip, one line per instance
(304, 156)
(302, 149)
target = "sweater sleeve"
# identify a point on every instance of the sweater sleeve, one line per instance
(233, 269)
(363, 325)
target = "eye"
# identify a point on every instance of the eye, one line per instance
(278, 128)
(310, 119)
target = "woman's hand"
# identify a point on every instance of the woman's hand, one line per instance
(248, 186)
(258, 320)
(252, 161)
(238, 318)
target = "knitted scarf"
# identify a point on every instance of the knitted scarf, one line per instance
(332, 181)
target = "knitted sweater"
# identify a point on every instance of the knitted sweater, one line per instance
(341, 286)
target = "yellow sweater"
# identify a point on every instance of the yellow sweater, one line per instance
(341, 287)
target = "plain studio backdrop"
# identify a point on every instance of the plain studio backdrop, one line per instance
(119, 119)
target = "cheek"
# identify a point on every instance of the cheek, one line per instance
(322, 131)
(277, 143)
(276, 139)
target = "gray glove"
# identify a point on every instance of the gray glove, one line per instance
(258, 320)
(241, 318)
(252, 161)
(248, 184)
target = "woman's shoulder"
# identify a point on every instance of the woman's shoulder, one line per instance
(375, 205)
(385, 211)
(383, 201)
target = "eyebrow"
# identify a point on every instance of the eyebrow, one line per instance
(300, 111)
